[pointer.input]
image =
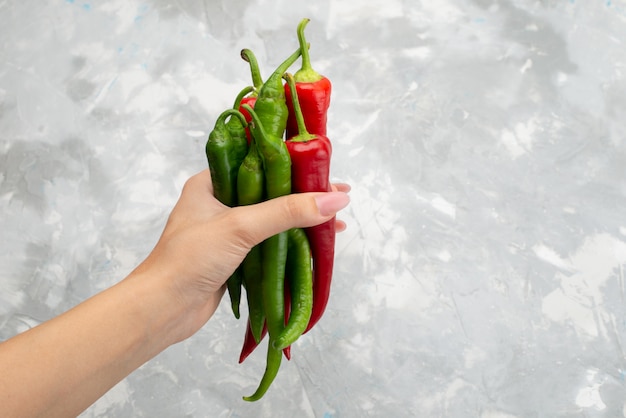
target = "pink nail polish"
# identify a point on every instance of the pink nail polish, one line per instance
(331, 202)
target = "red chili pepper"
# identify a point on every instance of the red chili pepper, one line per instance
(313, 91)
(249, 344)
(248, 56)
(310, 171)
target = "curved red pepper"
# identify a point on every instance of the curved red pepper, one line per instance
(249, 344)
(313, 92)
(249, 100)
(310, 172)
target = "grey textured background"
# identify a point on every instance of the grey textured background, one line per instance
(482, 271)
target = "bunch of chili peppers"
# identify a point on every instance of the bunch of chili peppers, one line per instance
(273, 142)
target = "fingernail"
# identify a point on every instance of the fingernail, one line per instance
(331, 202)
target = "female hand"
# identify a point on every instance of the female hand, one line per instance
(204, 241)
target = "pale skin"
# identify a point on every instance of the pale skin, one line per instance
(62, 366)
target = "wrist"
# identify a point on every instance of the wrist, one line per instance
(158, 311)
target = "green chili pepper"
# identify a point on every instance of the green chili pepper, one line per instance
(224, 156)
(251, 179)
(300, 276)
(271, 104)
(224, 159)
(272, 366)
(252, 272)
(274, 155)
(274, 252)
(277, 169)
(233, 284)
(238, 143)
(237, 128)
(250, 190)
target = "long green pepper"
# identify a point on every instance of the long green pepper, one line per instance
(251, 190)
(239, 143)
(300, 278)
(226, 148)
(277, 169)
(301, 281)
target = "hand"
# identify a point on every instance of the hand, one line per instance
(204, 241)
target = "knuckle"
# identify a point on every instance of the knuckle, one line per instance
(190, 184)
(293, 208)
(197, 181)
(240, 225)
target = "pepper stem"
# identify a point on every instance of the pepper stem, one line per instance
(303, 135)
(221, 119)
(249, 57)
(306, 74)
(280, 70)
(255, 123)
(243, 93)
(257, 129)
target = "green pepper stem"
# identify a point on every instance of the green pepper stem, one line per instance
(221, 119)
(243, 93)
(306, 74)
(257, 129)
(303, 134)
(256, 122)
(280, 70)
(249, 57)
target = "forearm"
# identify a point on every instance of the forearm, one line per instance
(62, 366)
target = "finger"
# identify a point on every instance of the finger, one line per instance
(256, 223)
(197, 195)
(200, 182)
(340, 187)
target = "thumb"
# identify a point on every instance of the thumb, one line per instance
(299, 210)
